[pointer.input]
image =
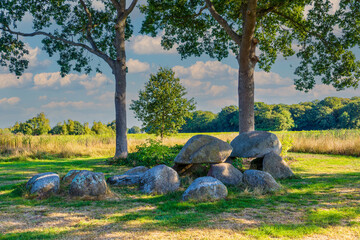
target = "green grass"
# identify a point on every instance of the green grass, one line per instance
(323, 200)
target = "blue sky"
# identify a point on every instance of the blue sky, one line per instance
(213, 84)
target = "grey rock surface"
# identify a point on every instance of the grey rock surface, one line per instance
(159, 180)
(263, 181)
(124, 180)
(44, 184)
(87, 183)
(203, 149)
(276, 166)
(136, 170)
(67, 179)
(255, 144)
(226, 173)
(205, 189)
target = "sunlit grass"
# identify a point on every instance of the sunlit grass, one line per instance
(323, 201)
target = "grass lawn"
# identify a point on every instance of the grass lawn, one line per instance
(323, 202)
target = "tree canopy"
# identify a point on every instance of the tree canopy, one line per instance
(69, 30)
(162, 106)
(322, 37)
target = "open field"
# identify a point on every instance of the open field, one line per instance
(342, 142)
(323, 202)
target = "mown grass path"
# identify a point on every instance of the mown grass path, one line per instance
(322, 203)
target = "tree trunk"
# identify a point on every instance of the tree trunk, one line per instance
(120, 93)
(247, 61)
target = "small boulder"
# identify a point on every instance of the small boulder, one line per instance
(255, 179)
(44, 184)
(136, 170)
(159, 180)
(255, 144)
(130, 177)
(203, 149)
(226, 173)
(124, 180)
(276, 166)
(87, 183)
(205, 189)
(67, 179)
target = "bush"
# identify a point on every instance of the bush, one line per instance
(152, 153)
(287, 142)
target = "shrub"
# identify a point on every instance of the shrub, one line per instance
(152, 153)
(287, 142)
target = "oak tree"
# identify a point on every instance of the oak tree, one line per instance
(321, 36)
(70, 29)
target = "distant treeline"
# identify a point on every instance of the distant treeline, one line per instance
(40, 125)
(330, 113)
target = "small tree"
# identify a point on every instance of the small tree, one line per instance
(162, 106)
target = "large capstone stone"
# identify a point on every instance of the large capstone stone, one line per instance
(205, 189)
(159, 180)
(203, 149)
(255, 144)
(130, 177)
(260, 180)
(226, 173)
(44, 184)
(87, 183)
(67, 179)
(273, 164)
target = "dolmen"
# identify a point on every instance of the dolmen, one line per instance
(265, 148)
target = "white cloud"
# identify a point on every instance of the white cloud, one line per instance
(271, 78)
(217, 90)
(42, 97)
(209, 69)
(143, 44)
(63, 104)
(10, 80)
(32, 57)
(55, 80)
(135, 66)
(96, 81)
(9, 101)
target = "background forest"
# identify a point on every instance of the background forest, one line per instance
(329, 113)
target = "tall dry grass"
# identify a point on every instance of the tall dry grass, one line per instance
(344, 142)
(340, 142)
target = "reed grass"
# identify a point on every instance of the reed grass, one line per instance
(341, 142)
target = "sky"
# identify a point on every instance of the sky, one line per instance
(88, 98)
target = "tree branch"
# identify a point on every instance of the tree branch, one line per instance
(72, 43)
(89, 27)
(117, 6)
(303, 29)
(263, 11)
(131, 8)
(233, 35)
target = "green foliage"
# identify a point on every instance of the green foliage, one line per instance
(152, 153)
(287, 141)
(100, 128)
(238, 163)
(66, 29)
(38, 125)
(200, 121)
(329, 113)
(162, 106)
(134, 130)
(272, 117)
